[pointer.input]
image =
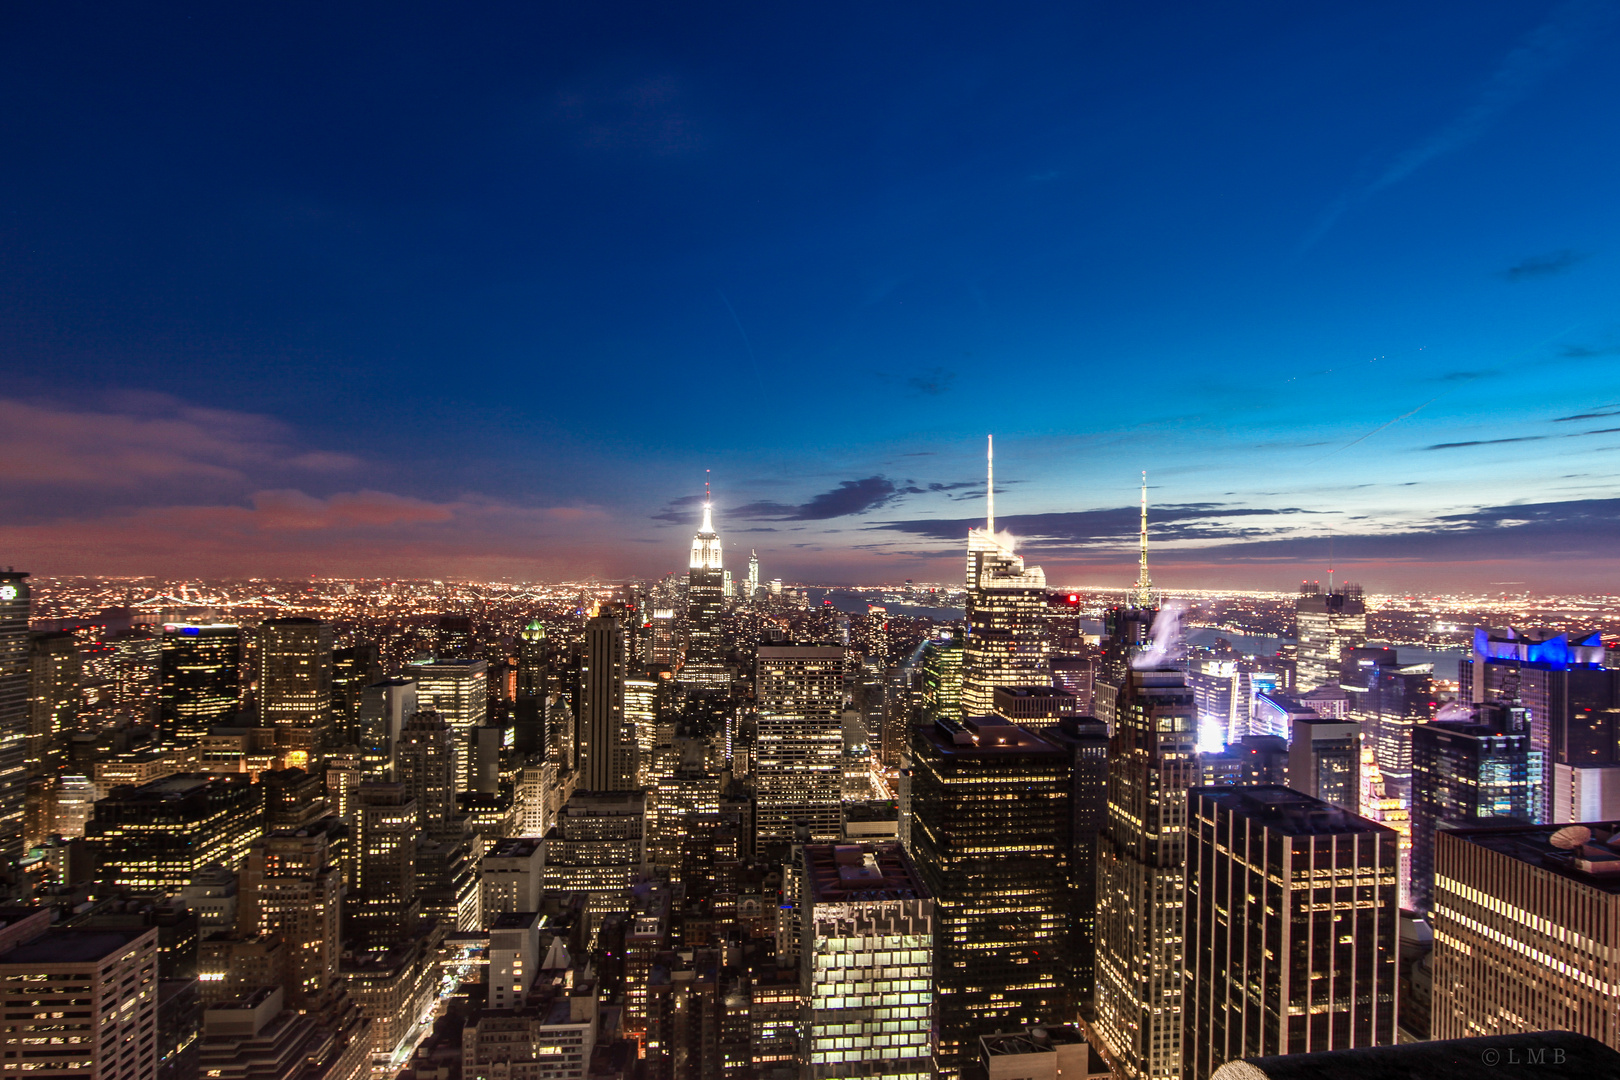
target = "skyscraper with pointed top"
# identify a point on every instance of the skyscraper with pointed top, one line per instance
(1126, 629)
(1144, 582)
(704, 665)
(1006, 613)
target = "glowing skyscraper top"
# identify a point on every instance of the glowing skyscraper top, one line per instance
(706, 544)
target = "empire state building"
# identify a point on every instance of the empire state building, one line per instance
(705, 600)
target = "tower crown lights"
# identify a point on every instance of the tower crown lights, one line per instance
(706, 544)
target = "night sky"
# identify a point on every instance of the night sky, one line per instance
(483, 290)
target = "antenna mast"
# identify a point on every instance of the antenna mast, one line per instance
(990, 484)
(1144, 583)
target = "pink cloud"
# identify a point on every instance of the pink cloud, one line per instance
(145, 439)
(359, 534)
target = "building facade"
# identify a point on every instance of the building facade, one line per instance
(990, 837)
(867, 964)
(1141, 876)
(1291, 927)
(799, 744)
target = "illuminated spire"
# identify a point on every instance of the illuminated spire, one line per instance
(1144, 583)
(990, 484)
(706, 544)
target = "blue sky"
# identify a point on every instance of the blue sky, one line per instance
(483, 290)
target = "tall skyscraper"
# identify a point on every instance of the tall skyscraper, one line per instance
(291, 885)
(16, 604)
(55, 671)
(531, 670)
(295, 683)
(990, 836)
(705, 605)
(1291, 928)
(458, 690)
(1141, 877)
(867, 964)
(753, 574)
(1467, 773)
(1085, 740)
(424, 762)
(606, 757)
(382, 906)
(1006, 618)
(1325, 625)
(1524, 921)
(200, 678)
(798, 764)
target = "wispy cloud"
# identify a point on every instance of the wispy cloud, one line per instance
(933, 382)
(1486, 442)
(1549, 265)
(849, 497)
(1570, 28)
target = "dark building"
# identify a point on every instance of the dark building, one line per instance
(354, 667)
(200, 678)
(381, 907)
(1467, 773)
(1086, 742)
(1253, 759)
(55, 672)
(991, 837)
(531, 657)
(156, 837)
(1035, 706)
(15, 606)
(1554, 1053)
(605, 757)
(453, 638)
(1291, 926)
(1126, 631)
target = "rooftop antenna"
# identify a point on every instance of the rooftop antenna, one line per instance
(1330, 566)
(990, 484)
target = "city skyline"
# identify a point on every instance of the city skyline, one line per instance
(1340, 282)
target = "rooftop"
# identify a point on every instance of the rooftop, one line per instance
(989, 735)
(1036, 1040)
(843, 872)
(72, 946)
(1588, 853)
(515, 847)
(1284, 810)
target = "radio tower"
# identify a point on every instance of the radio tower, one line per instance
(1144, 583)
